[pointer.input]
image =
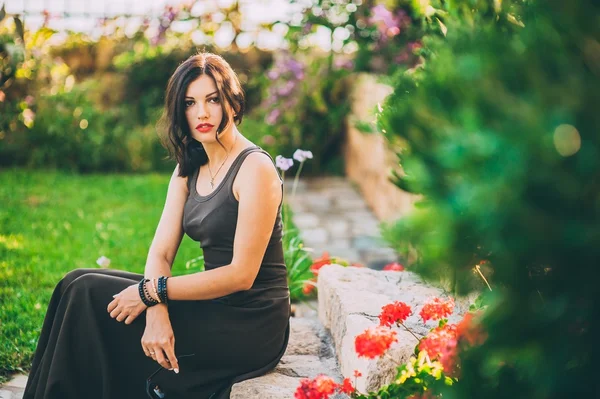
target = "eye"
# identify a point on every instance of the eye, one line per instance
(189, 103)
(214, 98)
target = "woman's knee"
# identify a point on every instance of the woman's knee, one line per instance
(72, 276)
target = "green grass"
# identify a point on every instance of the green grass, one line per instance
(53, 222)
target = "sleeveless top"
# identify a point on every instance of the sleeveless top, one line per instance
(211, 220)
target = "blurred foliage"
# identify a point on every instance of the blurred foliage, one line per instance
(297, 258)
(501, 126)
(72, 133)
(305, 106)
(365, 35)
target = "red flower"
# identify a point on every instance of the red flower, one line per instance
(374, 341)
(395, 266)
(441, 344)
(306, 390)
(308, 287)
(325, 385)
(319, 263)
(319, 388)
(469, 331)
(346, 386)
(357, 373)
(394, 313)
(437, 309)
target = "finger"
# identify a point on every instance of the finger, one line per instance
(122, 316)
(152, 352)
(146, 351)
(170, 352)
(130, 319)
(161, 359)
(115, 313)
(112, 305)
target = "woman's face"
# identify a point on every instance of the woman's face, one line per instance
(203, 109)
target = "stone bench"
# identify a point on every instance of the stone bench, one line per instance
(350, 301)
(310, 353)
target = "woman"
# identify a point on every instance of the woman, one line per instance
(232, 319)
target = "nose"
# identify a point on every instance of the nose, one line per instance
(202, 111)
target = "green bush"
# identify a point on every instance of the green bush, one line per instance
(501, 126)
(305, 105)
(70, 132)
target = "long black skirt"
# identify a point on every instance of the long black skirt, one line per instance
(83, 353)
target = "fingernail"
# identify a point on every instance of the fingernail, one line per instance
(171, 369)
(176, 371)
(114, 296)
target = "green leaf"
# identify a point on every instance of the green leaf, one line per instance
(3, 12)
(20, 29)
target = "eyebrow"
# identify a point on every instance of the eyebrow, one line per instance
(208, 95)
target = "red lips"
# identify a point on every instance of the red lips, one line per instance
(204, 127)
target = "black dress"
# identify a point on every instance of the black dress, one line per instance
(83, 353)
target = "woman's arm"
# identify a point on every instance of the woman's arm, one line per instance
(169, 231)
(258, 190)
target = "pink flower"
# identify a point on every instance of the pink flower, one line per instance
(441, 344)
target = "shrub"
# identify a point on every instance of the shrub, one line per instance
(501, 126)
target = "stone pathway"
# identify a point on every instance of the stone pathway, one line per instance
(332, 216)
(14, 388)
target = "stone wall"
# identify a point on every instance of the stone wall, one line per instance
(367, 156)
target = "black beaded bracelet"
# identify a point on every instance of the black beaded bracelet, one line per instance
(144, 295)
(162, 289)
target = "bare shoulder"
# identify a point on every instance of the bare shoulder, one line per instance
(178, 182)
(257, 173)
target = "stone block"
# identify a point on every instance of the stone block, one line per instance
(315, 238)
(350, 300)
(5, 394)
(304, 337)
(306, 220)
(270, 386)
(339, 228)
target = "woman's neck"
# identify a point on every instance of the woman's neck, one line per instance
(215, 151)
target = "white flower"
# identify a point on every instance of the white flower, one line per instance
(103, 261)
(301, 155)
(283, 163)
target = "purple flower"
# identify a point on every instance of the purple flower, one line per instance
(283, 163)
(273, 74)
(343, 64)
(301, 155)
(273, 116)
(286, 90)
(382, 14)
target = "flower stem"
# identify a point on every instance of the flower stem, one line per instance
(482, 276)
(284, 210)
(296, 179)
(408, 329)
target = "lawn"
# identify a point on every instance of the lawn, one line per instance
(53, 222)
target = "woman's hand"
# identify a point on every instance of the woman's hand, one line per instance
(158, 341)
(127, 305)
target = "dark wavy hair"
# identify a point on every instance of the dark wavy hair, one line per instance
(187, 151)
